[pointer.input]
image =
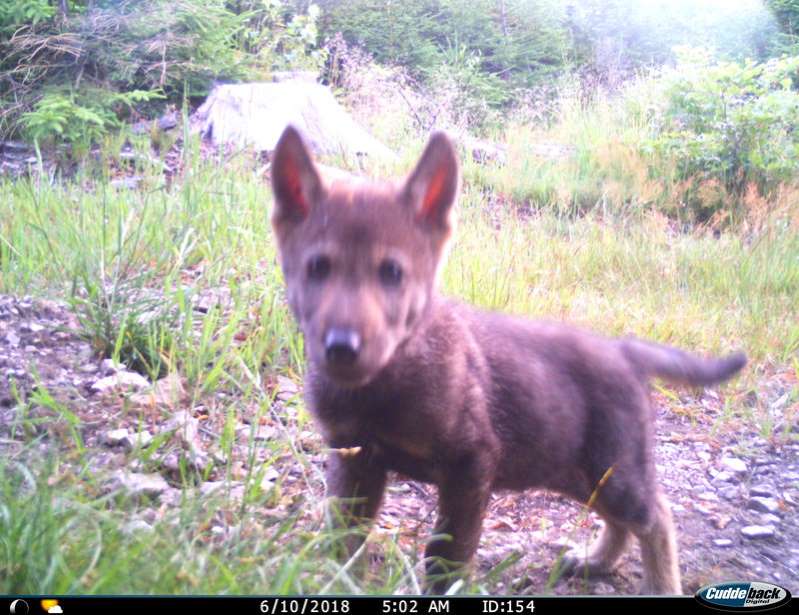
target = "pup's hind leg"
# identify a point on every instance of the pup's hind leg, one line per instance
(659, 551)
(602, 556)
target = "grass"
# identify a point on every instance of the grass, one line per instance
(554, 239)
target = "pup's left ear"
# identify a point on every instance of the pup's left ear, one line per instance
(432, 187)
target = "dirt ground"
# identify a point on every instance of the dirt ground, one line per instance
(734, 491)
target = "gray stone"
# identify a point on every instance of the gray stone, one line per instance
(120, 380)
(723, 542)
(729, 493)
(109, 366)
(141, 484)
(765, 491)
(735, 465)
(115, 437)
(270, 476)
(137, 526)
(286, 388)
(139, 439)
(126, 183)
(768, 505)
(213, 486)
(756, 532)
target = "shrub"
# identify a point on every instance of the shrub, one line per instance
(732, 122)
(50, 64)
(78, 119)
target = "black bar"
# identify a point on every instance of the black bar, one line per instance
(349, 605)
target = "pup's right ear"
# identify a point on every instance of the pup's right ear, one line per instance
(296, 184)
(432, 187)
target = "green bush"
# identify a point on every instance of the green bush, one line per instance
(732, 122)
(79, 120)
(14, 13)
(516, 43)
(101, 49)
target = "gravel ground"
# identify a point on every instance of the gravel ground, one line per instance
(734, 492)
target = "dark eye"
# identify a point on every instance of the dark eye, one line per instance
(390, 272)
(318, 268)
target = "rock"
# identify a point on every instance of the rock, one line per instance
(137, 526)
(127, 183)
(708, 496)
(141, 484)
(757, 532)
(171, 463)
(722, 542)
(12, 338)
(730, 493)
(264, 433)
(184, 423)
(723, 477)
(168, 121)
(484, 152)
(209, 487)
(765, 491)
(735, 465)
(186, 427)
(770, 519)
(109, 366)
(768, 505)
(286, 389)
(120, 380)
(139, 439)
(270, 476)
(115, 437)
(167, 392)
(256, 114)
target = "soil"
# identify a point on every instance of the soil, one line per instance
(734, 491)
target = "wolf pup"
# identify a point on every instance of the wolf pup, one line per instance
(400, 378)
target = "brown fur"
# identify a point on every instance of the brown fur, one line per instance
(444, 393)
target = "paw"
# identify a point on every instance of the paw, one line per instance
(577, 562)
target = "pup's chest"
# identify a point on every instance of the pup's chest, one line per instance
(397, 429)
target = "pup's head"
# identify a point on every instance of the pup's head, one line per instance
(360, 259)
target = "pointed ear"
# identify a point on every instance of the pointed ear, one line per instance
(296, 184)
(432, 187)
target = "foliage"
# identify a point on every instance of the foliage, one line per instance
(786, 13)
(733, 122)
(482, 46)
(176, 47)
(78, 119)
(14, 13)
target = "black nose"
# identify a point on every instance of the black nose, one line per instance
(342, 346)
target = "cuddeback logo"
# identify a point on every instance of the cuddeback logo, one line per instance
(743, 596)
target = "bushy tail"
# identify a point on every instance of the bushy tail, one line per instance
(678, 366)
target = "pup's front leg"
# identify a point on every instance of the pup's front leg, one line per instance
(355, 486)
(462, 504)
